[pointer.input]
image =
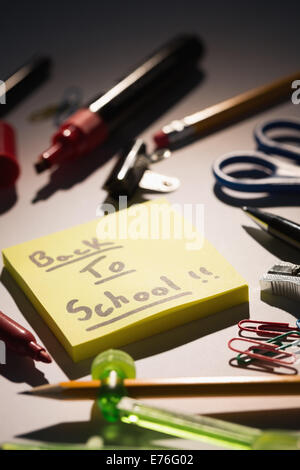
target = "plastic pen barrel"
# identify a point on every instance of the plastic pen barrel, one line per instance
(122, 100)
(205, 428)
(90, 126)
(23, 81)
(199, 428)
(284, 229)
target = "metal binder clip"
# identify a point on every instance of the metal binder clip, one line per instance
(282, 279)
(131, 172)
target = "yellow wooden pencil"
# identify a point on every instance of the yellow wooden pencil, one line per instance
(178, 387)
(221, 114)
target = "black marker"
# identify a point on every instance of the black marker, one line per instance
(277, 226)
(91, 125)
(23, 81)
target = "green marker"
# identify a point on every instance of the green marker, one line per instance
(113, 366)
(205, 429)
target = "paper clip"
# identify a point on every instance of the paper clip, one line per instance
(265, 328)
(271, 349)
(69, 103)
(277, 340)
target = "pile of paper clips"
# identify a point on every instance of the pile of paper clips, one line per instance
(280, 346)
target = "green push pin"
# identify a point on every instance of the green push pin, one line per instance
(112, 367)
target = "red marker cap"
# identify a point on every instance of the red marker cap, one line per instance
(20, 340)
(161, 139)
(9, 166)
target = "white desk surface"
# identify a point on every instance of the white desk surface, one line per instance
(247, 45)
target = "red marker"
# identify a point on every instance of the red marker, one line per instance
(20, 340)
(90, 126)
(9, 166)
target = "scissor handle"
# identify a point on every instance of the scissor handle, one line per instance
(269, 145)
(245, 184)
(277, 181)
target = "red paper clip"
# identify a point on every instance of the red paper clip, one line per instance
(268, 328)
(267, 347)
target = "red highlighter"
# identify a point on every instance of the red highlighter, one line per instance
(9, 166)
(20, 340)
(90, 126)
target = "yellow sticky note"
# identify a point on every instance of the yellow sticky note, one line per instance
(123, 277)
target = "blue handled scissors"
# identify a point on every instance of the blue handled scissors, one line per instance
(282, 176)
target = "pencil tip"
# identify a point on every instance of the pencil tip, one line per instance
(44, 390)
(36, 391)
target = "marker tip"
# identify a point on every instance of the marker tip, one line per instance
(44, 357)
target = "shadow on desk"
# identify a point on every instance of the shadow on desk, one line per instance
(8, 198)
(187, 333)
(113, 434)
(288, 419)
(288, 305)
(147, 347)
(120, 434)
(278, 248)
(238, 199)
(264, 367)
(22, 370)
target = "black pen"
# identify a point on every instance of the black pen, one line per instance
(277, 226)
